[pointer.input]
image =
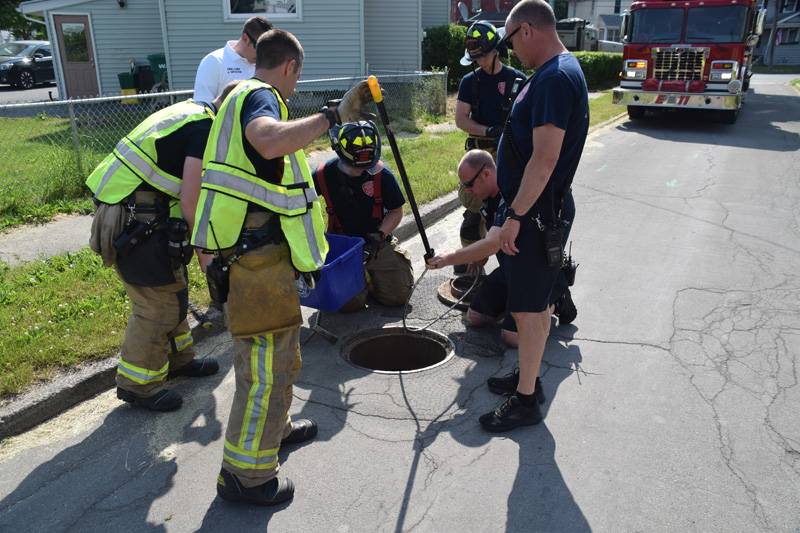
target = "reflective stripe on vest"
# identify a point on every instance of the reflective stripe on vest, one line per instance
(134, 159)
(230, 183)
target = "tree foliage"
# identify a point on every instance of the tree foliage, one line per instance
(13, 21)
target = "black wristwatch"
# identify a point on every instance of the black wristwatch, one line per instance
(330, 114)
(510, 213)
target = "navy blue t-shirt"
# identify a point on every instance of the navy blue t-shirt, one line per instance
(352, 197)
(491, 93)
(557, 95)
(261, 103)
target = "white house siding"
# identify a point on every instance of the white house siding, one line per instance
(392, 34)
(120, 35)
(435, 13)
(329, 32)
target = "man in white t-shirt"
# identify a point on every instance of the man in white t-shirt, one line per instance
(234, 61)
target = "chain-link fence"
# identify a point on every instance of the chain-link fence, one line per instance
(48, 148)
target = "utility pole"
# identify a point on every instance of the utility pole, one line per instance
(774, 31)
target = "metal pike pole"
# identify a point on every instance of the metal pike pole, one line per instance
(377, 96)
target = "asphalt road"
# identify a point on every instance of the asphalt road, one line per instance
(40, 93)
(673, 399)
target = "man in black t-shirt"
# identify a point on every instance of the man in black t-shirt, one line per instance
(484, 100)
(551, 113)
(364, 200)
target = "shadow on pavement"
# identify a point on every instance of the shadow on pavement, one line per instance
(762, 111)
(540, 499)
(110, 480)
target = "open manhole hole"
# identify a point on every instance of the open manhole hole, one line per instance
(453, 289)
(392, 350)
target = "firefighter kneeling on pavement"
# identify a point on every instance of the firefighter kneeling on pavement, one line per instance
(363, 200)
(146, 192)
(260, 214)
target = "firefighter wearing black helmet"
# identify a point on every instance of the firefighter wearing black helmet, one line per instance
(485, 96)
(364, 200)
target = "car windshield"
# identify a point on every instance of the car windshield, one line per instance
(723, 24)
(13, 49)
(657, 25)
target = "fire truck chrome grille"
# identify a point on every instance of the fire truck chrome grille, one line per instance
(683, 64)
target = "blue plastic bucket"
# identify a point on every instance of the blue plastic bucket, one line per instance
(342, 277)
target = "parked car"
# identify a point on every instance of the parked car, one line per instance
(23, 64)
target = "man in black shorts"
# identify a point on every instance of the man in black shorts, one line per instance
(477, 173)
(537, 159)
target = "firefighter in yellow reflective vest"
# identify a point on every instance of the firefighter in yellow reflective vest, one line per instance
(146, 192)
(259, 212)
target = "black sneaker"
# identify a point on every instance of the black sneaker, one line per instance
(510, 414)
(163, 400)
(565, 309)
(302, 430)
(507, 385)
(273, 492)
(196, 368)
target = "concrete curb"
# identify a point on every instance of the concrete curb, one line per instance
(45, 401)
(429, 213)
(48, 400)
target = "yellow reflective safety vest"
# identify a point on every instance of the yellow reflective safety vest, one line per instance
(230, 183)
(134, 158)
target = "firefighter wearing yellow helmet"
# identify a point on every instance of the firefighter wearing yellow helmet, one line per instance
(363, 200)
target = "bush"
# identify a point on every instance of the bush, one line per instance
(443, 46)
(601, 69)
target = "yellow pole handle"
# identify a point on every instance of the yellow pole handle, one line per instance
(375, 89)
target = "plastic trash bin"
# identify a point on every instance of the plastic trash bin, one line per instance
(127, 86)
(158, 64)
(342, 277)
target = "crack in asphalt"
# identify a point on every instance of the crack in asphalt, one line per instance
(739, 325)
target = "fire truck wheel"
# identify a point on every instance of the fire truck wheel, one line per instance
(729, 117)
(635, 112)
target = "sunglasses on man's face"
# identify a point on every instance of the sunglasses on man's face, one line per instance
(468, 184)
(507, 39)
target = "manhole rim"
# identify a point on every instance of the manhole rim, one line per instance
(367, 334)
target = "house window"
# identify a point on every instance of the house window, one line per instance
(617, 6)
(612, 35)
(789, 36)
(271, 9)
(789, 6)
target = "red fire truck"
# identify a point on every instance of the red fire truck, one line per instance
(694, 54)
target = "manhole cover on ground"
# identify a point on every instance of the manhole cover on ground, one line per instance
(451, 290)
(392, 350)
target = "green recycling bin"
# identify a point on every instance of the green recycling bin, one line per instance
(158, 64)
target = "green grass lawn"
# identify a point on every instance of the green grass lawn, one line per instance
(601, 109)
(796, 84)
(62, 311)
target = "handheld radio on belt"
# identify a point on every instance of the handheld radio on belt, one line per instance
(377, 96)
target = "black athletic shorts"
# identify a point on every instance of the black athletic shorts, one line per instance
(491, 298)
(530, 280)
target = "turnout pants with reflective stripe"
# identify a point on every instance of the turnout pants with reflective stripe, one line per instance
(263, 312)
(158, 337)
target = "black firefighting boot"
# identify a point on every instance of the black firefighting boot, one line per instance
(273, 492)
